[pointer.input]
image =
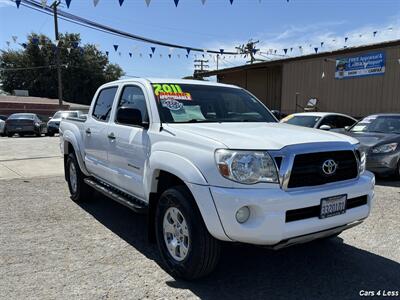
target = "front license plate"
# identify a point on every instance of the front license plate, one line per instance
(333, 206)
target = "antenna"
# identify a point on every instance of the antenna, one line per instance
(249, 49)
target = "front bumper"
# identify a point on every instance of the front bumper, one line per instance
(267, 224)
(383, 164)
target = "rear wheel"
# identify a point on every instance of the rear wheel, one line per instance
(9, 134)
(78, 189)
(398, 170)
(187, 249)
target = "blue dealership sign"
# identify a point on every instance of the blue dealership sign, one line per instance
(361, 65)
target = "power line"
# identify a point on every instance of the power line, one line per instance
(107, 29)
(28, 68)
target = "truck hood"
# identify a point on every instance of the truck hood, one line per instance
(271, 136)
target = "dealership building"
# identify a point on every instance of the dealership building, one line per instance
(357, 81)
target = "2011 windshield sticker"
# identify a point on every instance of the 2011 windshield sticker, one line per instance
(170, 91)
(167, 88)
(171, 104)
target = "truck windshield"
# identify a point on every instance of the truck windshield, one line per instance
(192, 103)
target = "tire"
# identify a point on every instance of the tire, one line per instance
(21, 135)
(50, 134)
(398, 170)
(198, 251)
(9, 134)
(78, 189)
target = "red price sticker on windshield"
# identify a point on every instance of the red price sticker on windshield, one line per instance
(175, 96)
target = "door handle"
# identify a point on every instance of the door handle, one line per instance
(111, 136)
(88, 131)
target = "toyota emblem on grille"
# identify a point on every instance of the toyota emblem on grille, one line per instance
(329, 167)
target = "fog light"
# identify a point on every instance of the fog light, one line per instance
(243, 214)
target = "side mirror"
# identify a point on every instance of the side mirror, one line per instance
(325, 127)
(50, 118)
(347, 128)
(130, 116)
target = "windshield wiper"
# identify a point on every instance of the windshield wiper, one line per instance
(196, 121)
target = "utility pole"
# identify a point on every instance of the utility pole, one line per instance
(200, 65)
(59, 77)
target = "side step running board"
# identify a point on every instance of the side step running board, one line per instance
(127, 200)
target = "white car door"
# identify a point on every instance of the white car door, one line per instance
(129, 144)
(95, 133)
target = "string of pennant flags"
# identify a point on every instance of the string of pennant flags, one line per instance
(153, 50)
(188, 51)
(121, 2)
(56, 45)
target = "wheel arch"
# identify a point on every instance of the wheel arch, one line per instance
(70, 145)
(170, 170)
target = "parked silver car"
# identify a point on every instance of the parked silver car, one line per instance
(379, 136)
(320, 120)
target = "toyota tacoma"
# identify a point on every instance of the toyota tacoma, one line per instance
(209, 163)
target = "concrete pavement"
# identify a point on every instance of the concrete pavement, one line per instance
(30, 157)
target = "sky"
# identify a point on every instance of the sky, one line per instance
(277, 24)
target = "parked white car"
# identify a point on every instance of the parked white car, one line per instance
(320, 120)
(208, 162)
(2, 124)
(54, 123)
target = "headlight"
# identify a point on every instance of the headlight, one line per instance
(37, 124)
(386, 148)
(246, 167)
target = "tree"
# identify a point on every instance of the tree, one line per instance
(84, 68)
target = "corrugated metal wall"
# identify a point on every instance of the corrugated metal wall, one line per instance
(264, 83)
(355, 96)
(277, 85)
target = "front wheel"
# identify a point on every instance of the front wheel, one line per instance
(187, 249)
(78, 189)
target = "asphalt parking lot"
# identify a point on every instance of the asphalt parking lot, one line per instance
(51, 247)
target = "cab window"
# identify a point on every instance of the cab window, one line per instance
(103, 105)
(133, 97)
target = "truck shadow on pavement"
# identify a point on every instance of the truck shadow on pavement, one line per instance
(392, 182)
(327, 269)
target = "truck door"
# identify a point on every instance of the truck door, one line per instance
(95, 133)
(129, 145)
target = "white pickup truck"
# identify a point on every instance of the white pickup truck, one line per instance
(209, 162)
